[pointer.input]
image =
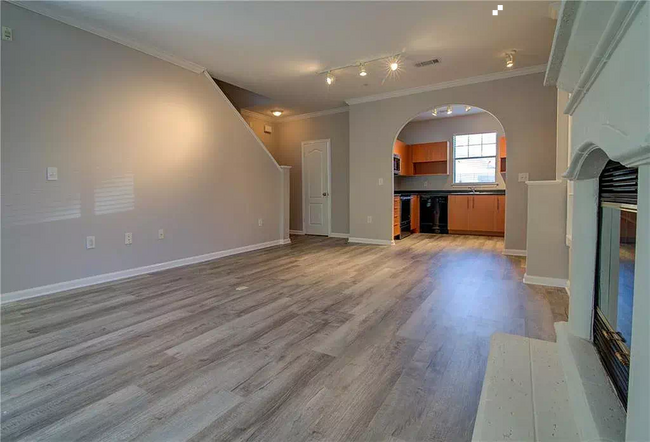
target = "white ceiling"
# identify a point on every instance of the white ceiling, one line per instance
(457, 110)
(276, 48)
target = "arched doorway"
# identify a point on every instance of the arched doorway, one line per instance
(446, 160)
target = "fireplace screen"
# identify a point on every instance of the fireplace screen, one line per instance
(615, 272)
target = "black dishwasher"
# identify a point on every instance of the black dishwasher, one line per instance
(433, 214)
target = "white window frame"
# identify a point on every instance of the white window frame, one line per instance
(453, 159)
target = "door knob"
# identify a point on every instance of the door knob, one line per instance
(325, 193)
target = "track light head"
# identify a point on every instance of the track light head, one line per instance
(449, 109)
(510, 59)
(362, 70)
(468, 108)
(434, 112)
(330, 78)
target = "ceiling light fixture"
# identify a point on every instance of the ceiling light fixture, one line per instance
(449, 110)
(495, 12)
(510, 59)
(362, 70)
(434, 112)
(468, 108)
(500, 7)
(277, 113)
(330, 78)
(394, 66)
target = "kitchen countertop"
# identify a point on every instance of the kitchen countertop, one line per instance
(451, 192)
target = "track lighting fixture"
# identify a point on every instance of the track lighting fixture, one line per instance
(392, 66)
(277, 113)
(434, 112)
(449, 110)
(510, 59)
(468, 108)
(362, 70)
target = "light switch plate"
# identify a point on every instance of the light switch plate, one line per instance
(369, 219)
(128, 238)
(161, 234)
(380, 182)
(260, 221)
(523, 177)
(90, 242)
(52, 174)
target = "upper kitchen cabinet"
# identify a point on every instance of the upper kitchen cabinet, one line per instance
(430, 158)
(404, 152)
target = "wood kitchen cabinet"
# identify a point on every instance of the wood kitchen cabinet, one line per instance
(415, 214)
(405, 153)
(476, 214)
(426, 152)
(397, 205)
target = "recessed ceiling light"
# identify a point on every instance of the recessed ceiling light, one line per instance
(468, 108)
(434, 112)
(449, 110)
(394, 66)
(500, 7)
(362, 70)
(277, 113)
(330, 78)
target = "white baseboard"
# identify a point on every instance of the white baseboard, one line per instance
(377, 242)
(296, 232)
(122, 274)
(543, 280)
(514, 252)
(286, 241)
(339, 235)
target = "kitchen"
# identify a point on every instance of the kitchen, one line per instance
(449, 166)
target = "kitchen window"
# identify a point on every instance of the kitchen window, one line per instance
(475, 157)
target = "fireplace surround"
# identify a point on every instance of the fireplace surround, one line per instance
(607, 74)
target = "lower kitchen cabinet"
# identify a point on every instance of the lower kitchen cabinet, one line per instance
(477, 214)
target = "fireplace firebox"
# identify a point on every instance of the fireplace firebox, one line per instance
(614, 300)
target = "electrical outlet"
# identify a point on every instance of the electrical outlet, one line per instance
(380, 182)
(90, 242)
(260, 222)
(52, 174)
(128, 238)
(369, 219)
(426, 184)
(523, 177)
(7, 33)
(161, 234)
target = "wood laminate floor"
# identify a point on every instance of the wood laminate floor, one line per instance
(314, 341)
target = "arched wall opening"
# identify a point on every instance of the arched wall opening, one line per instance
(433, 130)
(526, 110)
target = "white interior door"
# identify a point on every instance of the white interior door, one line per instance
(316, 187)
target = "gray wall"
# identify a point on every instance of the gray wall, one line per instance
(288, 150)
(140, 144)
(269, 140)
(525, 108)
(444, 129)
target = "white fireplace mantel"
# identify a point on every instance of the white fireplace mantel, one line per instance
(607, 74)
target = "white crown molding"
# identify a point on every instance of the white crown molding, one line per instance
(623, 15)
(259, 116)
(42, 8)
(543, 280)
(108, 277)
(450, 84)
(337, 110)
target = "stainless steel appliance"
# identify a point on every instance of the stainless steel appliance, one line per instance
(397, 164)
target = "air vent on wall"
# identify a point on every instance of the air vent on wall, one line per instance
(431, 62)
